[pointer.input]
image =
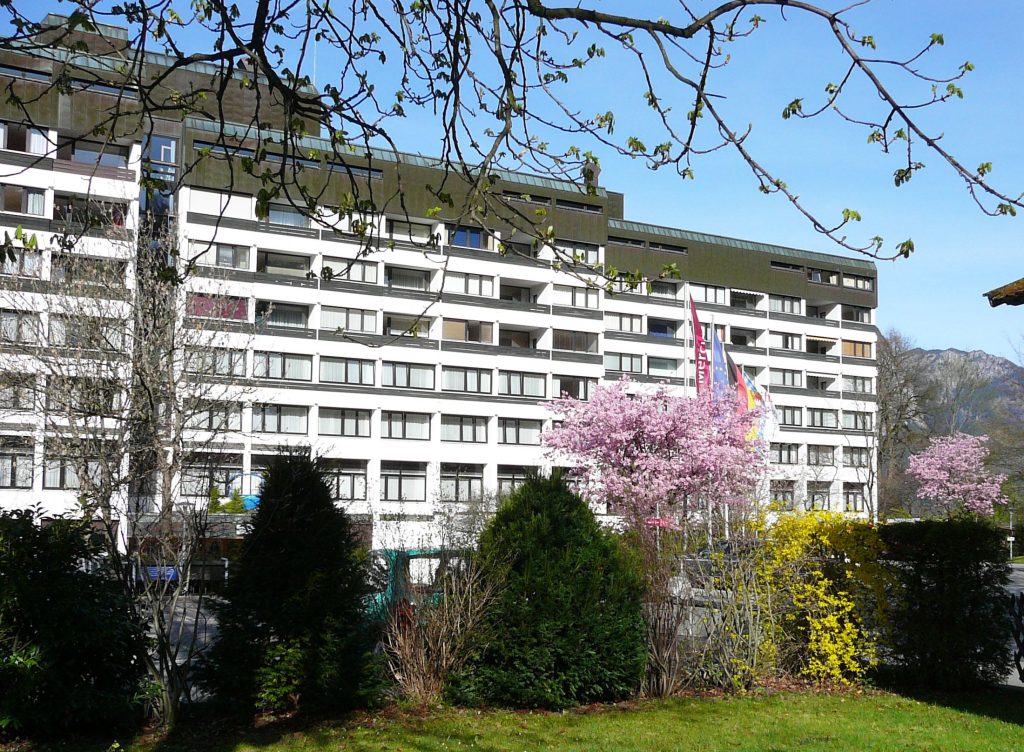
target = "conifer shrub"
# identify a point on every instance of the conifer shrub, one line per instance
(567, 627)
(69, 650)
(293, 632)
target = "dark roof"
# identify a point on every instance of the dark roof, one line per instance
(1011, 294)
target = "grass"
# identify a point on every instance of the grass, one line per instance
(1017, 560)
(978, 722)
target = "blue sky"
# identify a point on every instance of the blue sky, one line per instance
(935, 297)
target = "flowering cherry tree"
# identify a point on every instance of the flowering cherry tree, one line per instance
(650, 453)
(951, 471)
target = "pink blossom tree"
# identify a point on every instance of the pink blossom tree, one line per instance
(952, 472)
(656, 453)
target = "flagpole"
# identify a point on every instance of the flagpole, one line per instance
(688, 328)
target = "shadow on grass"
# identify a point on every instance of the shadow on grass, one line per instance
(999, 703)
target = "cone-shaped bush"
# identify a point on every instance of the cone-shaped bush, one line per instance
(568, 627)
(292, 628)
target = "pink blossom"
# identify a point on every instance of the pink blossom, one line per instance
(951, 471)
(646, 453)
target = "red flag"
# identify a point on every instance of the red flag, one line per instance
(700, 353)
(741, 389)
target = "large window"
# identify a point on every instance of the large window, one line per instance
(406, 326)
(62, 473)
(279, 418)
(286, 264)
(407, 375)
(461, 482)
(467, 237)
(348, 319)
(582, 253)
(575, 341)
(624, 362)
(23, 200)
(403, 481)
(662, 328)
(455, 330)
(510, 477)
(858, 384)
(221, 255)
(823, 276)
(19, 137)
(577, 387)
(784, 304)
(216, 416)
(17, 391)
(819, 494)
(346, 479)
(218, 306)
(666, 367)
(346, 371)
(576, 297)
(82, 270)
(275, 365)
(624, 322)
(395, 424)
(469, 284)
(785, 454)
(819, 418)
(859, 314)
(856, 456)
(519, 431)
(287, 215)
(858, 282)
(818, 454)
(789, 416)
(87, 333)
(708, 294)
(407, 279)
(664, 290)
(784, 341)
(477, 380)
(470, 429)
(339, 422)
(783, 493)
(351, 271)
(21, 262)
(857, 421)
(520, 384)
(786, 377)
(854, 499)
(15, 465)
(199, 480)
(284, 315)
(416, 232)
(853, 349)
(215, 361)
(19, 326)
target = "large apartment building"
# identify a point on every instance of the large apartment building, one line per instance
(421, 370)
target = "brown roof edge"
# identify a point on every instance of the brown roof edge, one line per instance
(1010, 294)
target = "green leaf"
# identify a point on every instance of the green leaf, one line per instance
(905, 248)
(938, 39)
(851, 215)
(793, 108)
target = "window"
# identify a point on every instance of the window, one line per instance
(783, 492)
(783, 266)
(476, 380)
(210, 306)
(514, 338)
(19, 326)
(576, 297)
(856, 456)
(818, 454)
(859, 314)
(743, 337)
(784, 304)
(103, 87)
(15, 465)
(403, 481)
(351, 271)
(467, 237)
(784, 454)
(199, 480)
(623, 322)
(215, 361)
(406, 279)
(577, 387)
(624, 362)
(90, 212)
(783, 341)
(464, 428)
(580, 253)
(19, 137)
(823, 276)
(461, 482)
(454, 330)
(406, 326)
(62, 473)
(519, 431)
(82, 270)
(94, 153)
(786, 377)
(516, 294)
(819, 345)
(417, 232)
(347, 480)
(520, 384)
(819, 418)
(82, 396)
(275, 365)
(469, 284)
(334, 421)
(407, 375)
(27, 73)
(579, 206)
(857, 421)
(708, 294)
(216, 416)
(24, 200)
(818, 311)
(221, 255)
(661, 328)
(268, 262)
(818, 496)
(789, 416)
(401, 425)
(288, 216)
(820, 383)
(282, 314)
(858, 283)
(21, 262)
(279, 418)
(664, 290)
(853, 497)
(662, 366)
(574, 341)
(856, 349)
(348, 320)
(510, 477)
(857, 384)
(86, 333)
(17, 391)
(346, 371)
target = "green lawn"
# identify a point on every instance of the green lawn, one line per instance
(991, 720)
